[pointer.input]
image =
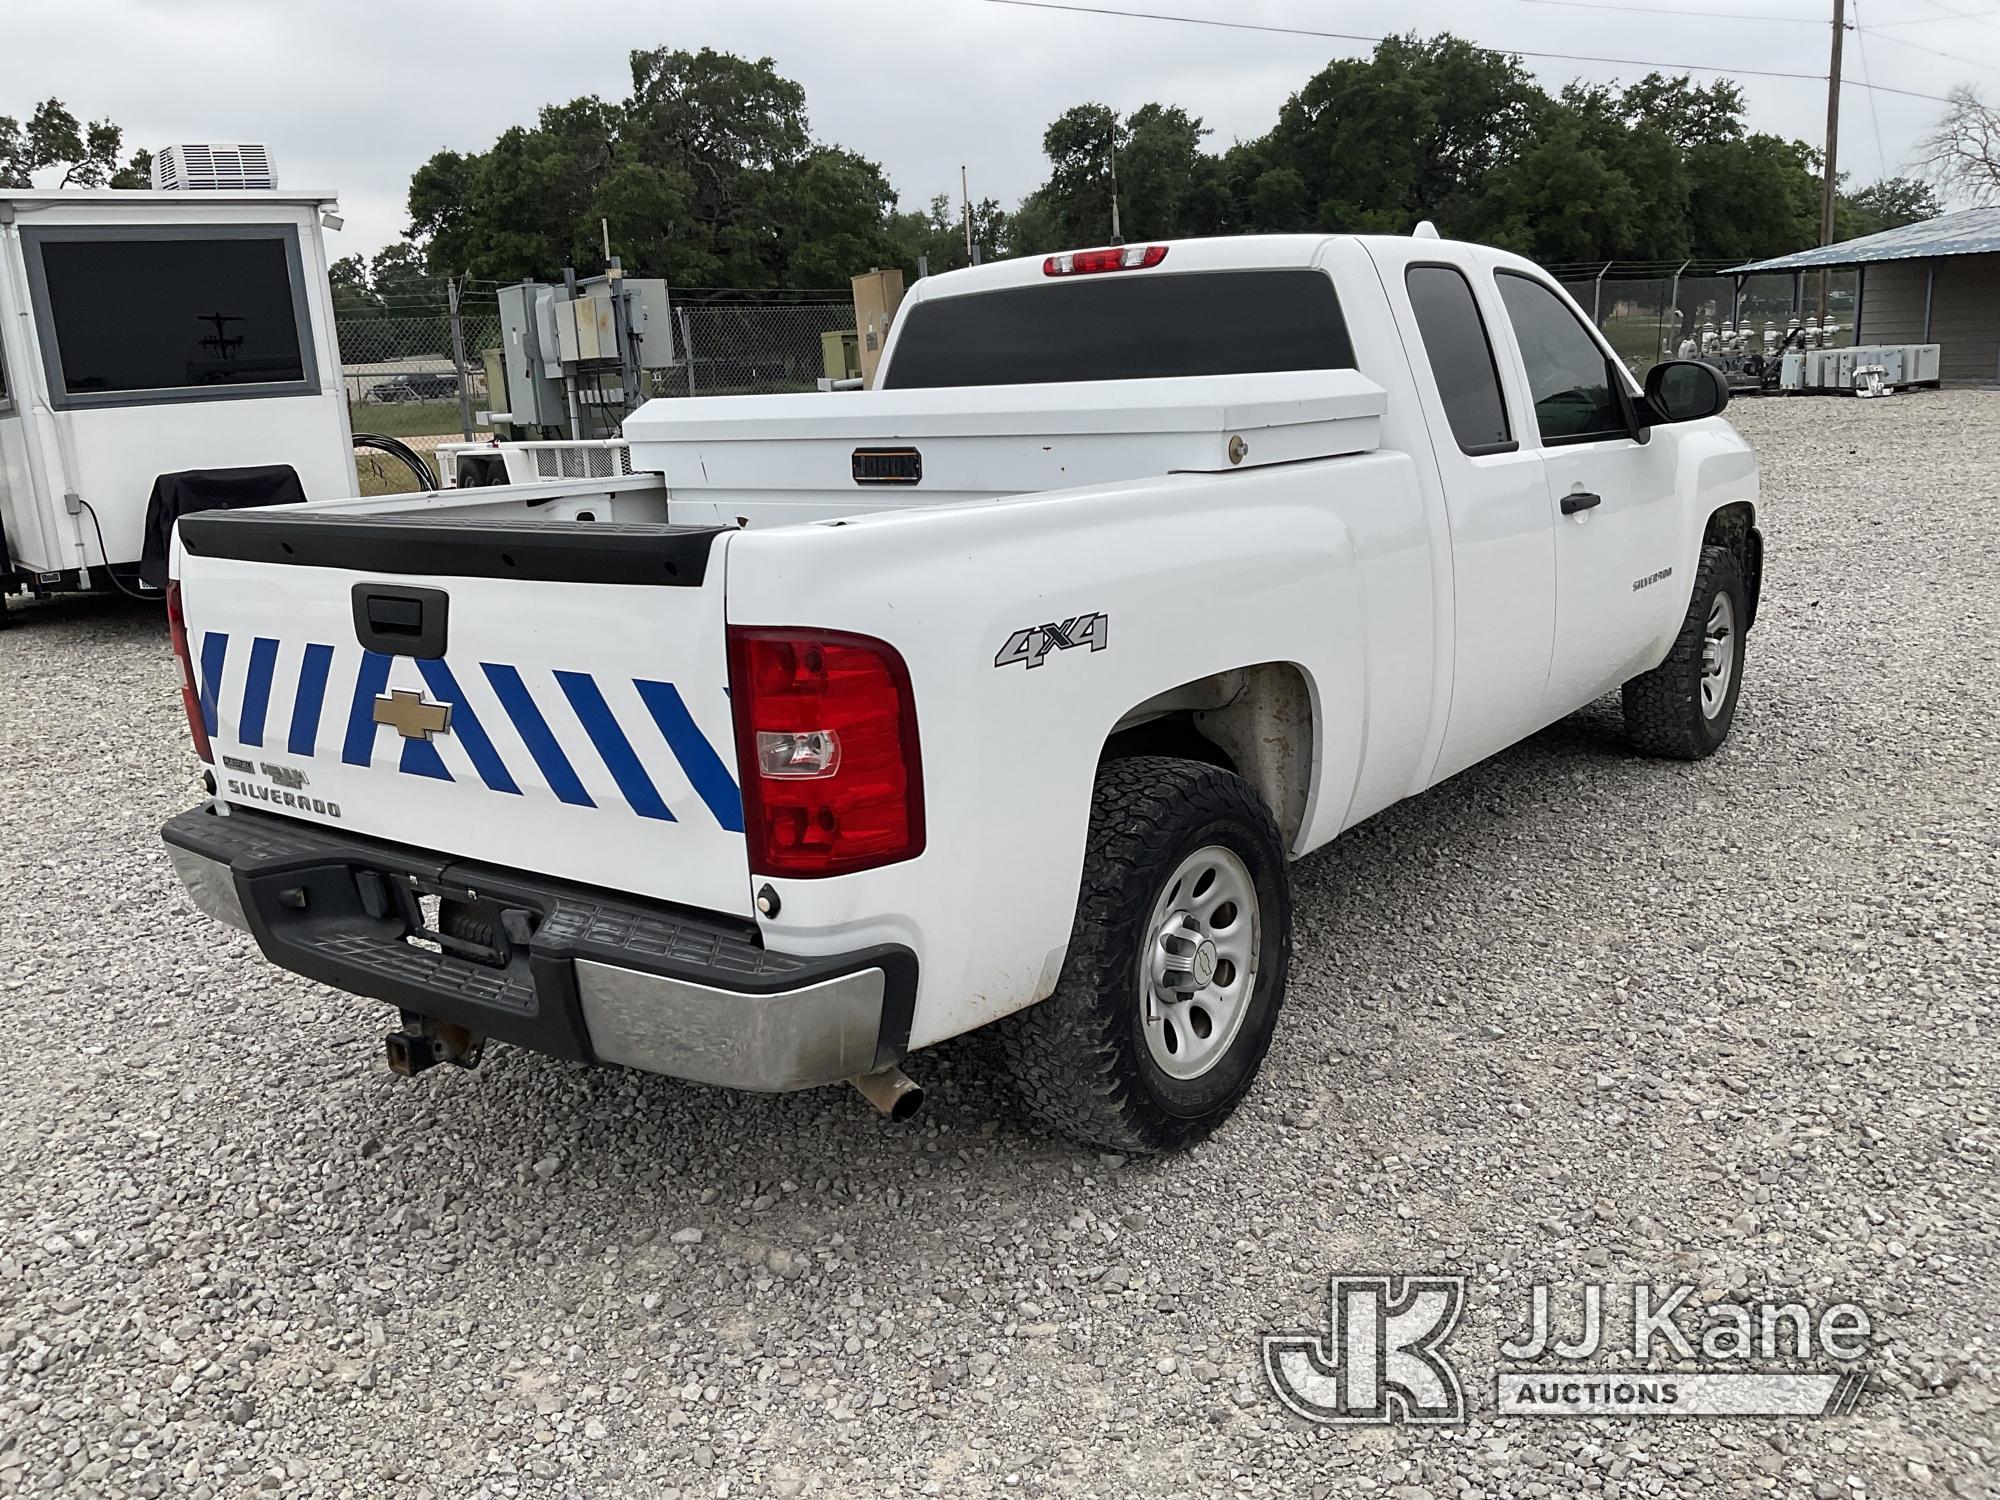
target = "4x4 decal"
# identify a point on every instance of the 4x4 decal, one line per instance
(1033, 645)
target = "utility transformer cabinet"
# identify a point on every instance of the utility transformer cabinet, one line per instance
(877, 295)
(160, 332)
(566, 361)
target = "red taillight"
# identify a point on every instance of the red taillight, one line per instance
(1117, 258)
(190, 693)
(826, 742)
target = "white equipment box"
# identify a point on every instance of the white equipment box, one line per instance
(899, 448)
(1833, 370)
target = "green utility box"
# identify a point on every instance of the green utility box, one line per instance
(841, 352)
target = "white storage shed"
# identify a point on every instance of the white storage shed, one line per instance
(1935, 282)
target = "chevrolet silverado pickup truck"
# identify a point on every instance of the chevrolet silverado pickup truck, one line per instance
(1000, 694)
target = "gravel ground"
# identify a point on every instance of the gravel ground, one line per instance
(1570, 1016)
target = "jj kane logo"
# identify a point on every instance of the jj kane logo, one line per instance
(1382, 1359)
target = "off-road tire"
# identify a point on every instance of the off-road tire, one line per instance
(1078, 1059)
(1663, 711)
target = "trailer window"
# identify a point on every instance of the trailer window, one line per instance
(135, 314)
(1135, 325)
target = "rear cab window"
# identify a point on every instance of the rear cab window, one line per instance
(1461, 358)
(1138, 325)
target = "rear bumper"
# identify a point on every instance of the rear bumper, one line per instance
(570, 971)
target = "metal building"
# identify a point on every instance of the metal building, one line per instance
(1934, 282)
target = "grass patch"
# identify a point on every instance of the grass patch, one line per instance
(379, 474)
(1636, 337)
(406, 418)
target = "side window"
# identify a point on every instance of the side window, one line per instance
(1567, 377)
(1461, 358)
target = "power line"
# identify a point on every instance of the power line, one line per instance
(1147, 15)
(1961, 15)
(1352, 36)
(1874, 117)
(1953, 15)
(1661, 10)
(1934, 52)
(1883, 88)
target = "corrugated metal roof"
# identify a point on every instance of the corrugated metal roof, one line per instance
(1972, 231)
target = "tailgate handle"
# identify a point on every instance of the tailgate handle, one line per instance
(401, 621)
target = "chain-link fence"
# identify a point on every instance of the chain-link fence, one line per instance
(1647, 314)
(746, 348)
(403, 377)
(408, 377)
(410, 374)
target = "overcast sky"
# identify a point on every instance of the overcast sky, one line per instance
(355, 94)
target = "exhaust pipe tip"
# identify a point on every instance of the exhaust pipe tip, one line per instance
(892, 1091)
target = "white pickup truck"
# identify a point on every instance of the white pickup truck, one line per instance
(1002, 693)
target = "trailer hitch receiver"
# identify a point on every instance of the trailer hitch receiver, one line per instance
(424, 1042)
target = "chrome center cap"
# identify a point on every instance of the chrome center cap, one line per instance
(1203, 966)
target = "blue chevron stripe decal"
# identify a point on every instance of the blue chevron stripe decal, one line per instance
(520, 732)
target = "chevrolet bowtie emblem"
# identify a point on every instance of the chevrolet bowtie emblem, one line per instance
(411, 717)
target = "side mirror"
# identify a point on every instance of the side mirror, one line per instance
(1685, 390)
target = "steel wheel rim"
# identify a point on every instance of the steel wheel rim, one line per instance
(1199, 963)
(1718, 655)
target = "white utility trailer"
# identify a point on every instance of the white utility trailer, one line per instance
(145, 333)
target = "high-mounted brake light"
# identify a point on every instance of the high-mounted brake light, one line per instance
(1117, 258)
(190, 694)
(826, 743)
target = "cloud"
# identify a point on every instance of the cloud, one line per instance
(354, 96)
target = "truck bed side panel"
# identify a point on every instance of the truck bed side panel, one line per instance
(1193, 574)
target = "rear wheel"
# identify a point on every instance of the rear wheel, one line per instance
(1683, 708)
(1176, 966)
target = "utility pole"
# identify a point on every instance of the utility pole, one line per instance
(451, 287)
(1116, 237)
(1826, 192)
(965, 192)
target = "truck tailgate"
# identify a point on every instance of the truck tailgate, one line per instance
(549, 696)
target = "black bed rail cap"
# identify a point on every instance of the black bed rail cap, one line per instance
(544, 550)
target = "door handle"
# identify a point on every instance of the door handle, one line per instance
(1581, 500)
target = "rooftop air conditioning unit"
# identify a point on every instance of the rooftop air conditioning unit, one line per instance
(213, 168)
